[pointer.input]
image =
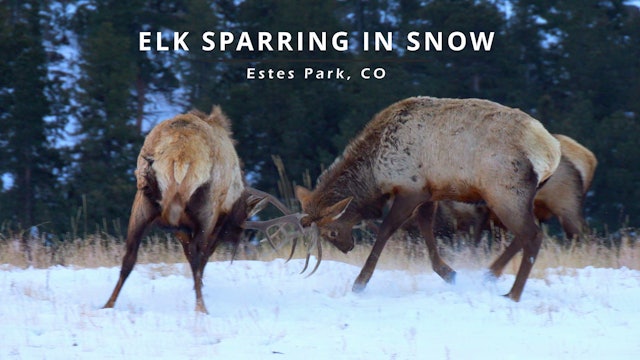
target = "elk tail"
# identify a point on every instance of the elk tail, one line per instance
(183, 178)
(174, 200)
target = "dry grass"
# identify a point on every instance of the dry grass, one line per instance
(400, 253)
(410, 254)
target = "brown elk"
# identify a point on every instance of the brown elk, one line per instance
(561, 196)
(190, 182)
(422, 150)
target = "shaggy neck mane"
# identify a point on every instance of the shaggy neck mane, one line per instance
(352, 175)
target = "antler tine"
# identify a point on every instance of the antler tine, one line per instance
(293, 248)
(313, 233)
(318, 260)
(315, 242)
(272, 199)
(306, 263)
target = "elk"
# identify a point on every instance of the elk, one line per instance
(189, 181)
(453, 218)
(422, 150)
(561, 196)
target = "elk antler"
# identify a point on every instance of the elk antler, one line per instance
(264, 226)
(270, 198)
(288, 218)
(293, 219)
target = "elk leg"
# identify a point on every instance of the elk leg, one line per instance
(569, 215)
(204, 258)
(498, 265)
(401, 210)
(197, 281)
(143, 213)
(212, 241)
(517, 216)
(200, 249)
(479, 225)
(530, 252)
(199, 272)
(425, 217)
(193, 251)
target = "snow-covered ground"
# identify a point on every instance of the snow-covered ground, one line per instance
(262, 310)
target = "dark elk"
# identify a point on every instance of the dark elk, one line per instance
(190, 182)
(561, 196)
(455, 218)
(423, 150)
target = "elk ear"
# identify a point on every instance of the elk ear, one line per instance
(303, 195)
(255, 204)
(335, 211)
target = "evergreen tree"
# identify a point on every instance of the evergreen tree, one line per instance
(108, 139)
(616, 186)
(113, 91)
(26, 137)
(466, 73)
(205, 76)
(366, 97)
(571, 64)
(590, 76)
(529, 56)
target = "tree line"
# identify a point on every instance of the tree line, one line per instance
(77, 95)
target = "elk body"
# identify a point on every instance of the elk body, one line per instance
(561, 196)
(422, 150)
(189, 181)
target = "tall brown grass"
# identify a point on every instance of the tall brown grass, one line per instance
(401, 252)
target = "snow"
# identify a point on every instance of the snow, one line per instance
(267, 310)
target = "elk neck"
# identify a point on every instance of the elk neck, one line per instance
(352, 175)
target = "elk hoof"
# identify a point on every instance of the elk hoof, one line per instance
(201, 308)
(512, 297)
(450, 277)
(358, 287)
(446, 273)
(490, 277)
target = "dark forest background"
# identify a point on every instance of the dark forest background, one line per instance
(77, 96)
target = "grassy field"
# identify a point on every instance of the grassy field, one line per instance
(401, 253)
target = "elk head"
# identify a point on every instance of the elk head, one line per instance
(331, 223)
